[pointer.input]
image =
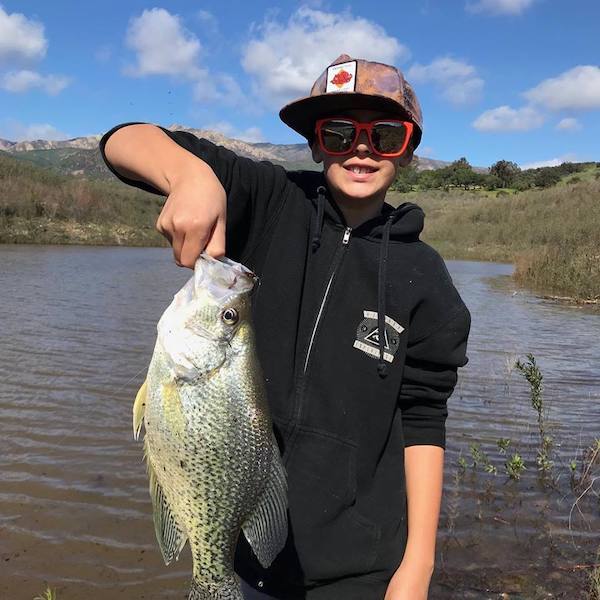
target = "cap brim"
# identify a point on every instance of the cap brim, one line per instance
(301, 114)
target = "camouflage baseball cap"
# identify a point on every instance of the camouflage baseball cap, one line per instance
(349, 83)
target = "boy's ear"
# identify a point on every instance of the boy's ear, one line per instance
(315, 149)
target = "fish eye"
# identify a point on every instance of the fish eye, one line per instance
(230, 316)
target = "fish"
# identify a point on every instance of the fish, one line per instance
(214, 466)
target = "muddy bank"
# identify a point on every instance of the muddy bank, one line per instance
(44, 231)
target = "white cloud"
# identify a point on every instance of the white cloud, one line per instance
(457, 80)
(426, 152)
(576, 89)
(505, 118)
(209, 21)
(222, 88)
(162, 46)
(21, 39)
(19, 132)
(24, 81)
(282, 67)
(568, 124)
(552, 162)
(205, 88)
(499, 7)
(252, 134)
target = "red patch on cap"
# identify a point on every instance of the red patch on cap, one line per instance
(341, 77)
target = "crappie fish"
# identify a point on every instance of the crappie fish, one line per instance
(214, 466)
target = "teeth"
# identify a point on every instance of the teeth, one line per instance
(360, 170)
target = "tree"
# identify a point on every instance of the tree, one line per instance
(546, 177)
(428, 179)
(506, 171)
(492, 182)
(405, 180)
(460, 174)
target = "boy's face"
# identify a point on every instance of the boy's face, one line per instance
(382, 171)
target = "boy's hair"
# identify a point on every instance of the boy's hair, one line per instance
(349, 83)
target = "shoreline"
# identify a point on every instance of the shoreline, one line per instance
(571, 300)
(121, 241)
(49, 232)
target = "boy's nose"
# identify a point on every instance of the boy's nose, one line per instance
(363, 146)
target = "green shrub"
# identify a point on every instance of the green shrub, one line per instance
(552, 235)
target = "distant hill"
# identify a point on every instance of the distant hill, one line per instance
(80, 156)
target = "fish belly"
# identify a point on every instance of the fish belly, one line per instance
(209, 445)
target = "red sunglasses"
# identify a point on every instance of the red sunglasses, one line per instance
(387, 137)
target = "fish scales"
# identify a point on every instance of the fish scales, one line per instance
(213, 461)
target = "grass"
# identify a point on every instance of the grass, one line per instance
(594, 579)
(38, 205)
(552, 236)
(48, 595)
(502, 491)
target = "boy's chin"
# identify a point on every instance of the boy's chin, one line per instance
(362, 191)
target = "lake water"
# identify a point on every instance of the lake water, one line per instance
(78, 328)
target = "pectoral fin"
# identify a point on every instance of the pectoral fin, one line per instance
(266, 528)
(139, 406)
(171, 539)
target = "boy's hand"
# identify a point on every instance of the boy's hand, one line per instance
(193, 218)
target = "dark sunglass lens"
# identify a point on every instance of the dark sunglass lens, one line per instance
(388, 138)
(337, 135)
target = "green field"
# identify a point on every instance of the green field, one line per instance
(552, 235)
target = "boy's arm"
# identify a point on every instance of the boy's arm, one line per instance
(216, 198)
(430, 375)
(424, 468)
(143, 152)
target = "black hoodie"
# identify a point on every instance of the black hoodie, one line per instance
(360, 334)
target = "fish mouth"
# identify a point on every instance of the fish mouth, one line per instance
(223, 278)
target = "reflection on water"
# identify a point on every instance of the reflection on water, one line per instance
(77, 335)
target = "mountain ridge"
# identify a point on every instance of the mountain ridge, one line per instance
(69, 157)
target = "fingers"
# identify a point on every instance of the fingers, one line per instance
(190, 230)
(177, 244)
(193, 244)
(216, 244)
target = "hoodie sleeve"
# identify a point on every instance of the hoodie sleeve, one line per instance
(434, 353)
(255, 190)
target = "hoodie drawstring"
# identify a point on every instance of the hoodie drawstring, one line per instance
(381, 364)
(316, 241)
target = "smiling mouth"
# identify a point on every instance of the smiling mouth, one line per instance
(360, 170)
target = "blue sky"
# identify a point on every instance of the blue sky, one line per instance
(497, 79)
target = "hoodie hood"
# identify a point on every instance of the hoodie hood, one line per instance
(407, 222)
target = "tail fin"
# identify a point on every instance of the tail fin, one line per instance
(226, 589)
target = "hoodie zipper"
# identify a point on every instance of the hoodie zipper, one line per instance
(337, 262)
(301, 381)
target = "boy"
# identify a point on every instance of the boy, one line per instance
(360, 330)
